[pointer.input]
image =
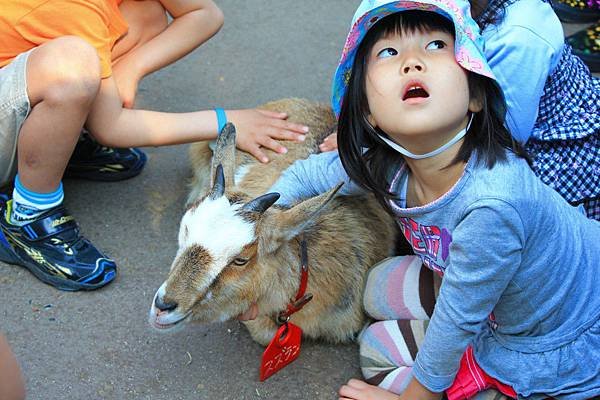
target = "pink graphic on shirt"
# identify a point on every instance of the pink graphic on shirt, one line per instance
(430, 243)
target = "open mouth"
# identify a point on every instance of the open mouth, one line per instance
(158, 323)
(167, 320)
(414, 91)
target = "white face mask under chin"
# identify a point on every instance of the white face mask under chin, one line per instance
(432, 153)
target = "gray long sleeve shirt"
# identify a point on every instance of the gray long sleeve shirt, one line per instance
(507, 245)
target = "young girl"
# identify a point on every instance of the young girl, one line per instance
(421, 125)
(552, 99)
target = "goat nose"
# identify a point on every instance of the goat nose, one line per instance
(162, 306)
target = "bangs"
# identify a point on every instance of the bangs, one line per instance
(407, 23)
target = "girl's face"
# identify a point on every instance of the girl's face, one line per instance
(416, 91)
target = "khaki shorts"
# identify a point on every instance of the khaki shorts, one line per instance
(14, 108)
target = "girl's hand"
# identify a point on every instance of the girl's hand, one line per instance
(358, 390)
(259, 128)
(329, 143)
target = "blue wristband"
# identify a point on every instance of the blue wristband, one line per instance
(221, 119)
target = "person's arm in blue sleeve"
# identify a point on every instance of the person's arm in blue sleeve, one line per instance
(522, 57)
(313, 176)
(482, 265)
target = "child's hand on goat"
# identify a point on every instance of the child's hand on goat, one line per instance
(259, 128)
(329, 143)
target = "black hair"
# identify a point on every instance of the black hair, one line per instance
(492, 12)
(367, 159)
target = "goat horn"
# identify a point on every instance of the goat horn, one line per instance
(261, 203)
(218, 188)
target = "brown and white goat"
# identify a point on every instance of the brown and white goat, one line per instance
(236, 250)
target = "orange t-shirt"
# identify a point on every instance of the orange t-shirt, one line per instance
(25, 24)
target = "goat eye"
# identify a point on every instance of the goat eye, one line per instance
(240, 261)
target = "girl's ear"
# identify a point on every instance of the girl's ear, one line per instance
(475, 104)
(476, 100)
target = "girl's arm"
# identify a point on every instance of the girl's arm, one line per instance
(486, 253)
(416, 391)
(522, 52)
(313, 176)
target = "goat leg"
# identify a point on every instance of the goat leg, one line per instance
(262, 329)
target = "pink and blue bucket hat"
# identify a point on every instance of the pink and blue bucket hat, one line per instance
(468, 47)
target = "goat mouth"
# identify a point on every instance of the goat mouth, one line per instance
(162, 321)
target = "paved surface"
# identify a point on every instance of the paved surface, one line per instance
(98, 345)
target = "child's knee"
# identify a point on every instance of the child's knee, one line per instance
(69, 68)
(385, 284)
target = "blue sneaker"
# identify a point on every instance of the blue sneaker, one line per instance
(52, 248)
(92, 161)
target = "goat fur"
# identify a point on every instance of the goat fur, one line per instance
(345, 237)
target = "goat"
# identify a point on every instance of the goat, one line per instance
(235, 249)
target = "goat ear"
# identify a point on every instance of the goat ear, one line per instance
(224, 155)
(281, 227)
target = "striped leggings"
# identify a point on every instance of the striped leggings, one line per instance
(400, 294)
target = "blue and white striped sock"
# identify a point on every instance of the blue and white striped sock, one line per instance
(27, 205)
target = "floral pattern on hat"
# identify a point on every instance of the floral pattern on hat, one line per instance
(468, 44)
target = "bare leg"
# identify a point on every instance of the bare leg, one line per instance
(11, 381)
(63, 77)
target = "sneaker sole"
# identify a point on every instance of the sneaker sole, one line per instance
(61, 284)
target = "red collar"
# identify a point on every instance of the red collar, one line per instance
(301, 297)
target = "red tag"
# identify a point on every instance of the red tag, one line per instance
(283, 349)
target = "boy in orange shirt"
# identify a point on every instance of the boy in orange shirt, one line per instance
(66, 63)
